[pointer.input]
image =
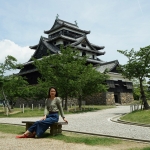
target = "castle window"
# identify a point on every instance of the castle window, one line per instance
(83, 45)
(83, 53)
(54, 42)
(58, 46)
(65, 43)
(110, 83)
(129, 85)
(93, 56)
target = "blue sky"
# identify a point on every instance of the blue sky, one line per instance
(115, 24)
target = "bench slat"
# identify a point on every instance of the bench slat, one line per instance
(62, 123)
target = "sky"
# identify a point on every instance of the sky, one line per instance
(115, 24)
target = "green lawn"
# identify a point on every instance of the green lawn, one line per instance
(70, 137)
(66, 136)
(28, 112)
(140, 116)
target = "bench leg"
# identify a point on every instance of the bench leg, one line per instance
(28, 125)
(55, 129)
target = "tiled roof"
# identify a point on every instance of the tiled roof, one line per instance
(97, 47)
(34, 47)
(107, 65)
(79, 40)
(60, 23)
(28, 71)
(63, 37)
(67, 23)
(85, 49)
(49, 46)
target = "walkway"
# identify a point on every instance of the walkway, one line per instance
(97, 122)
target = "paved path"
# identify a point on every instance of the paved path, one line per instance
(97, 122)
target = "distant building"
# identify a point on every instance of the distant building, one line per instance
(68, 34)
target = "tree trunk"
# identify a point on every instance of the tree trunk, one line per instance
(63, 102)
(143, 97)
(80, 102)
(5, 100)
(66, 103)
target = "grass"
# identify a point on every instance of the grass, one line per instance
(66, 137)
(16, 112)
(138, 116)
(6, 128)
(28, 112)
(87, 139)
(70, 137)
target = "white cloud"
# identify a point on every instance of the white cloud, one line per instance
(22, 54)
(114, 24)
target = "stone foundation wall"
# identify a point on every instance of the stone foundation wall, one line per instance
(110, 100)
(126, 98)
(71, 101)
(96, 99)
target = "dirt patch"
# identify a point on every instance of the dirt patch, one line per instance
(9, 142)
(14, 112)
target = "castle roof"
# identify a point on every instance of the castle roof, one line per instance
(84, 40)
(40, 51)
(107, 65)
(61, 23)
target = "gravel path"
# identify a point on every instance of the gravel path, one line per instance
(97, 122)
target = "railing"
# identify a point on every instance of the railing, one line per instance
(134, 107)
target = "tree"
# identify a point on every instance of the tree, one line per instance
(90, 81)
(14, 88)
(67, 71)
(9, 64)
(138, 66)
(136, 89)
(39, 91)
(9, 85)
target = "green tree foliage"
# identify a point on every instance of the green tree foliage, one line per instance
(136, 89)
(40, 91)
(138, 66)
(14, 88)
(67, 71)
(9, 64)
(90, 81)
(9, 85)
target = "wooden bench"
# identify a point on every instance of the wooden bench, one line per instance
(55, 128)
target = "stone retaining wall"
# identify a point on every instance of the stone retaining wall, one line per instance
(108, 98)
(96, 99)
(126, 98)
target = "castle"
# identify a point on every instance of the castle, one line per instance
(69, 34)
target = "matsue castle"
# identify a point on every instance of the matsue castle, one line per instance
(69, 34)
